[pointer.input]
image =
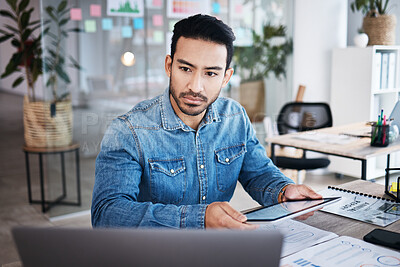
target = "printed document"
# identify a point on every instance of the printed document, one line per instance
(326, 138)
(343, 251)
(297, 235)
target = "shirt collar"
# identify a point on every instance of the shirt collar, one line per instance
(170, 121)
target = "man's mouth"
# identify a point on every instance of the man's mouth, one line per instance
(193, 99)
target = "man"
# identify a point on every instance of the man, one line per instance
(174, 161)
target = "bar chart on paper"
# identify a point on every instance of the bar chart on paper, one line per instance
(343, 251)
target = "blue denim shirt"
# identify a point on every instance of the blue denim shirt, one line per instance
(155, 171)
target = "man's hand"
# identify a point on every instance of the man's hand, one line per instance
(299, 192)
(222, 215)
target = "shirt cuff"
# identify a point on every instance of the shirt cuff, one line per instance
(192, 216)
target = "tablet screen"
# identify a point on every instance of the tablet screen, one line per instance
(291, 208)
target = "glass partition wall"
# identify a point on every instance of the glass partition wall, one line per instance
(121, 48)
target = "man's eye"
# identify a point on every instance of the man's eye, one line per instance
(185, 69)
(211, 74)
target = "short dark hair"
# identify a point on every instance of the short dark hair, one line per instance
(207, 28)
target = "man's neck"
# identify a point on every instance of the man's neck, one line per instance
(191, 121)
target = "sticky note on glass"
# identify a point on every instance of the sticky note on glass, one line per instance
(216, 8)
(126, 31)
(138, 23)
(157, 3)
(90, 25)
(239, 9)
(95, 10)
(107, 24)
(75, 14)
(158, 36)
(158, 20)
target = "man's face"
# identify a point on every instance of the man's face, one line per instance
(197, 75)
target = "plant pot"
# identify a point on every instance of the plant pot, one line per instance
(361, 40)
(41, 129)
(252, 98)
(381, 30)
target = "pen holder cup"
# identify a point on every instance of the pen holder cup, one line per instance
(380, 135)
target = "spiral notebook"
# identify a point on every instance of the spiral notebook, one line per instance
(363, 207)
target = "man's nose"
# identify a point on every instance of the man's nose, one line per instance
(196, 83)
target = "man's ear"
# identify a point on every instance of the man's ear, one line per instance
(227, 77)
(168, 65)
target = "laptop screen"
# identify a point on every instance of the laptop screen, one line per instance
(395, 115)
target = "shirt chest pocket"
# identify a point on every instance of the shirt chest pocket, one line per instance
(168, 180)
(228, 165)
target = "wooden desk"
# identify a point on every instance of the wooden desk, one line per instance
(360, 149)
(349, 227)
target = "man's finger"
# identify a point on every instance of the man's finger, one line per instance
(310, 193)
(238, 218)
(300, 192)
(233, 213)
(222, 215)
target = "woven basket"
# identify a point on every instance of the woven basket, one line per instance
(42, 130)
(381, 30)
(252, 98)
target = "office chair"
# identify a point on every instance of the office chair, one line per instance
(299, 117)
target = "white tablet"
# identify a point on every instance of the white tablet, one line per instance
(286, 210)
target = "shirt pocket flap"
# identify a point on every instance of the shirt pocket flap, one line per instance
(229, 154)
(169, 167)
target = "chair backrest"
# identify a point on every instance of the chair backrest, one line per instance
(303, 116)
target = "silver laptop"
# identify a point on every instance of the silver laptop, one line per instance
(132, 247)
(395, 115)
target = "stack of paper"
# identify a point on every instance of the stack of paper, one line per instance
(343, 251)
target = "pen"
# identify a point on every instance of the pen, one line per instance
(376, 128)
(384, 130)
(356, 135)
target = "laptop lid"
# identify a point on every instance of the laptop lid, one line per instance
(133, 247)
(395, 115)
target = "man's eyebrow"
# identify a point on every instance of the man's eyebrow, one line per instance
(214, 68)
(182, 61)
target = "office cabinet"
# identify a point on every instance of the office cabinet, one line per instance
(364, 81)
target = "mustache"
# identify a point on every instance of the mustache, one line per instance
(193, 94)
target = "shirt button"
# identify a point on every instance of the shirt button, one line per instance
(172, 170)
(204, 197)
(226, 160)
(202, 166)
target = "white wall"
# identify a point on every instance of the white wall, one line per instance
(319, 26)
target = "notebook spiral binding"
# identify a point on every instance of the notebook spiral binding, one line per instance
(359, 193)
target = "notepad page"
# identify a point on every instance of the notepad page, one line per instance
(365, 208)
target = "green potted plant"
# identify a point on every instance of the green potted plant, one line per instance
(55, 59)
(27, 59)
(46, 123)
(267, 55)
(377, 24)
